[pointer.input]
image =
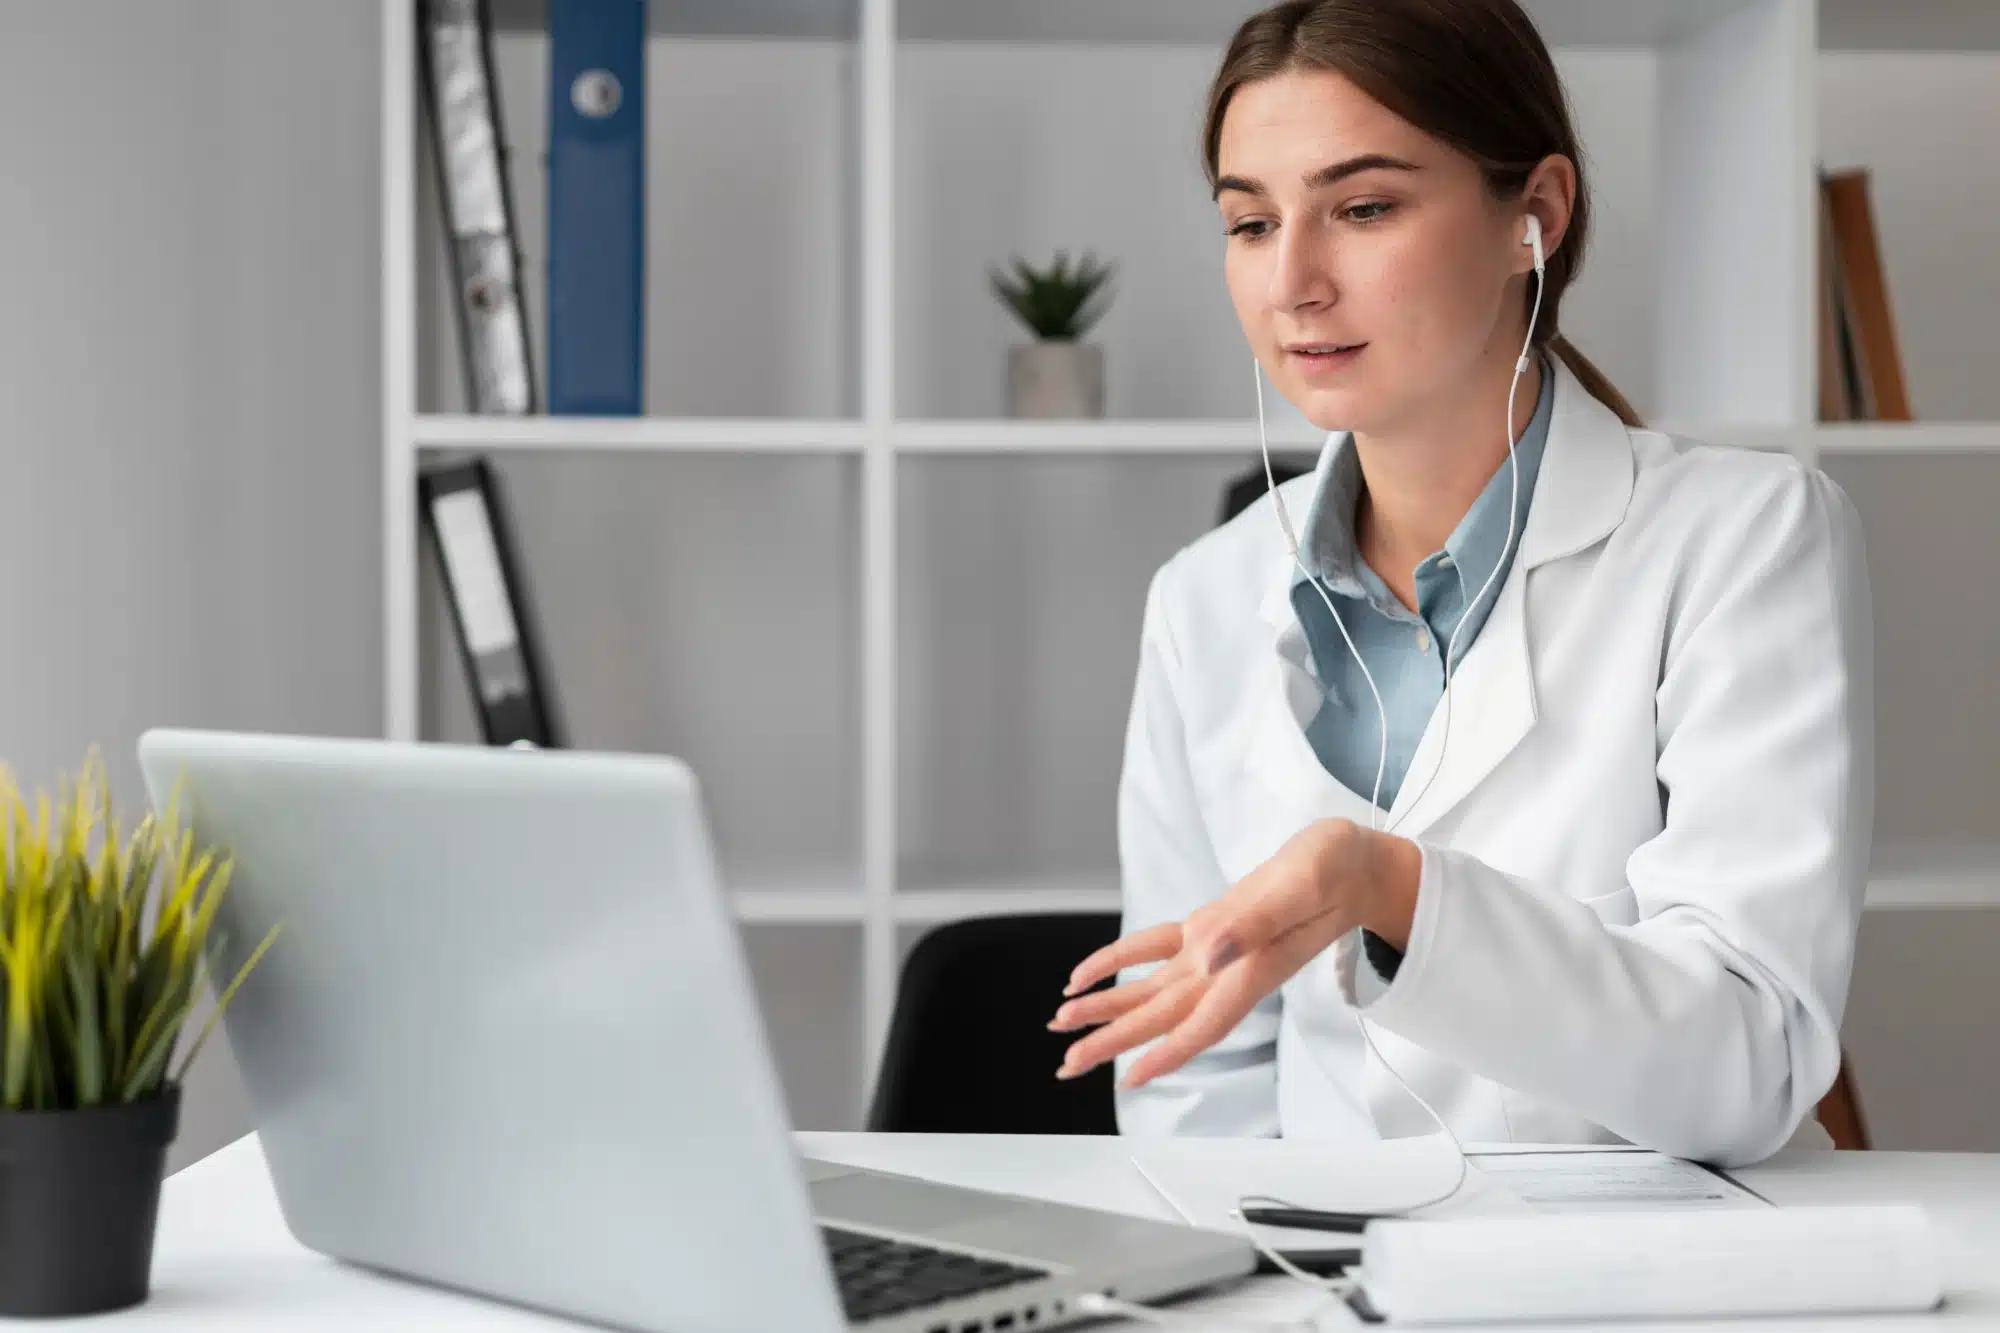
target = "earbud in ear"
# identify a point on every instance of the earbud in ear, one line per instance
(1533, 240)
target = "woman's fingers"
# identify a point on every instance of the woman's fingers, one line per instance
(1226, 1001)
(1103, 1006)
(1146, 946)
(1228, 998)
(1141, 1025)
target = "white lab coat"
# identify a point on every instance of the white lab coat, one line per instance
(1643, 857)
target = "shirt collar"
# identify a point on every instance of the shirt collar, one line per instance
(1476, 545)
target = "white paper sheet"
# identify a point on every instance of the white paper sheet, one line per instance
(1203, 1180)
(1566, 1182)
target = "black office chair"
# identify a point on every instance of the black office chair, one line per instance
(968, 1050)
(1243, 489)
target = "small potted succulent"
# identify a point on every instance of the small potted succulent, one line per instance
(102, 942)
(1057, 375)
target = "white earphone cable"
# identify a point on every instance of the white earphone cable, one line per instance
(1097, 1303)
(1298, 561)
(1444, 738)
(1506, 548)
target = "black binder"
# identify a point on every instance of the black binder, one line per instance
(465, 515)
(469, 142)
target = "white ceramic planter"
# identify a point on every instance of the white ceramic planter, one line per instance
(1055, 379)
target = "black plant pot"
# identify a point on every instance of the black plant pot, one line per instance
(79, 1194)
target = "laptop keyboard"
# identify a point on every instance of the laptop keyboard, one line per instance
(884, 1277)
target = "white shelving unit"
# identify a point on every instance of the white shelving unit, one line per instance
(940, 606)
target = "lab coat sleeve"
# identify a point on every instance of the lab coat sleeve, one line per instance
(1168, 869)
(1701, 1017)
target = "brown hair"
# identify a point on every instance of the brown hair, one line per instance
(1472, 73)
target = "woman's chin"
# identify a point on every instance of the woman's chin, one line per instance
(1332, 409)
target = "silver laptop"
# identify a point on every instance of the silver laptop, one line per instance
(507, 1043)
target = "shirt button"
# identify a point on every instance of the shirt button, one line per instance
(1423, 641)
(1444, 562)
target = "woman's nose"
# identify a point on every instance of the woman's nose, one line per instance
(1301, 275)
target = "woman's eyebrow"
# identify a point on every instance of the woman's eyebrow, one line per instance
(1325, 176)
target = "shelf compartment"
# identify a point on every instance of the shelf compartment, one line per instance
(808, 983)
(1021, 583)
(751, 266)
(713, 614)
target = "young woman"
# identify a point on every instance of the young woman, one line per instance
(1536, 790)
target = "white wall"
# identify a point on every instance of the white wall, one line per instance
(188, 417)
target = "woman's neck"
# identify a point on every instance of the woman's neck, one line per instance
(1422, 475)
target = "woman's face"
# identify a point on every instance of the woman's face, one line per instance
(1349, 228)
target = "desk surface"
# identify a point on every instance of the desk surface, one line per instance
(224, 1260)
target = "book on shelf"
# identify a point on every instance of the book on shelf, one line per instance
(1860, 363)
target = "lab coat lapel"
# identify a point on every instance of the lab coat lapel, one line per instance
(1284, 699)
(1581, 495)
(1278, 755)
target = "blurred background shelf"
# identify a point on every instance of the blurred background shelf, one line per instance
(999, 436)
(1916, 874)
(802, 906)
(1886, 438)
(1047, 893)
(644, 434)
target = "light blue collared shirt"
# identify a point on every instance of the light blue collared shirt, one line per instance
(1404, 649)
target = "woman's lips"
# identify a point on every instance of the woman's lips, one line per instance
(1317, 359)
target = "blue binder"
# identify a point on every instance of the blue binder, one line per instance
(597, 206)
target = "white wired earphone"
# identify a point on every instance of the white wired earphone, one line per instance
(1532, 239)
(1102, 1304)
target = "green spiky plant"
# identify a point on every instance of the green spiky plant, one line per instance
(101, 946)
(1058, 303)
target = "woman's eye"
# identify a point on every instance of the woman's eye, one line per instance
(1372, 211)
(1250, 227)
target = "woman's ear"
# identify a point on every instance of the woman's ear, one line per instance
(1549, 195)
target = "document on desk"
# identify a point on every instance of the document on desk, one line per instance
(1584, 1180)
(1205, 1180)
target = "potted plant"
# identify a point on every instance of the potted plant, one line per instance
(1058, 375)
(102, 955)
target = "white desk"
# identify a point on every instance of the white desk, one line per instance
(225, 1261)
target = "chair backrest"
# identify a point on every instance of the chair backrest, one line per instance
(1243, 489)
(969, 1051)
(1840, 1109)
